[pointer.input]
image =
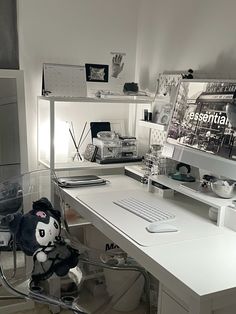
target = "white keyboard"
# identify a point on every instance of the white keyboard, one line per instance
(144, 210)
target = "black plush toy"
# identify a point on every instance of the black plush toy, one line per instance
(189, 75)
(38, 235)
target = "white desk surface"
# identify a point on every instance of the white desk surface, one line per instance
(199, 260)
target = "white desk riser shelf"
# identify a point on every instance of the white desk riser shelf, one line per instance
(207, 198)
(50, 113)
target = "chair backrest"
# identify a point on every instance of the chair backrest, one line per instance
(18, 193)
(19, 196)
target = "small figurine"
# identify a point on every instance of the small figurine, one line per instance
(189, 75)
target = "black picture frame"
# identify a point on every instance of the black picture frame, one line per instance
(97, 72)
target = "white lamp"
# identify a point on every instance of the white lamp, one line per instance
(61, 141)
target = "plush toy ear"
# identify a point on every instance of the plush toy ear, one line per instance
(13, 221)
(42, 203)
(57, 214)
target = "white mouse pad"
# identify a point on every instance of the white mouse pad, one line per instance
(191, 217)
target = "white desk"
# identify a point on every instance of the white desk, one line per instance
(198, 265)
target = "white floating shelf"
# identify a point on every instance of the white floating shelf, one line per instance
(86, 165)
(152, 125)
(115, 99)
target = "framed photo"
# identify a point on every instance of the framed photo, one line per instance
(162, 105)
(97, 72)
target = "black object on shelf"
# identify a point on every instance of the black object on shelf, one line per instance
(189, 75)
(150, 116)
(118, 160)
(127, 137)
(99, 126)
(130, 88)
(145, 114)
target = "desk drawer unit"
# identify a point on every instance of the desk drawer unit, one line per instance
(170, 306)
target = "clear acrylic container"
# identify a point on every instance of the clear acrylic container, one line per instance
(108, 148)
(155, 163)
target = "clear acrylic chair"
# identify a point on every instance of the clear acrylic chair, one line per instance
(17, 194)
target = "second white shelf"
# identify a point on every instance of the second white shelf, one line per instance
(152, 125)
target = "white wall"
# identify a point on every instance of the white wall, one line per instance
(183, 34)
(71, 32)
(168, 35)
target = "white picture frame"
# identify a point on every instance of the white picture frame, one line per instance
(118, 126)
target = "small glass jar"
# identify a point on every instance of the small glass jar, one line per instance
(156, 149)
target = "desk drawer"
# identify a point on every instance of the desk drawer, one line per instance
(170, 305)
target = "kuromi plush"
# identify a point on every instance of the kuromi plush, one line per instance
(38, 234)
